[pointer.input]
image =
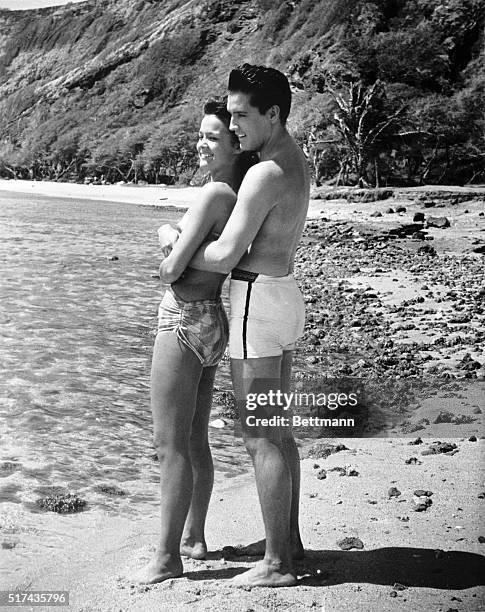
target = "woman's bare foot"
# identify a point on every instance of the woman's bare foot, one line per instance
(160, 568)
(193, 549)
(265, 574)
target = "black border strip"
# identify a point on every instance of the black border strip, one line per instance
(245, 320)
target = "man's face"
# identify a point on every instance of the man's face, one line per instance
(250, 126)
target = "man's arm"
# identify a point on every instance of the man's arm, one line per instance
(198, 222)
(256, 197)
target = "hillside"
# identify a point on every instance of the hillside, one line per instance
(112, 89)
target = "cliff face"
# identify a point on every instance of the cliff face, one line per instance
(77, 80)
(55, 50)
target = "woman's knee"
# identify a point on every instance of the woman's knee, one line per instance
(167, 443)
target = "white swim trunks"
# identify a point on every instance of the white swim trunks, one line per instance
(267, 314)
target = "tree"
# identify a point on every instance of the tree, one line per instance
(363, 124)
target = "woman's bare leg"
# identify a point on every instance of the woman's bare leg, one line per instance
(175, 376)
(193, 539)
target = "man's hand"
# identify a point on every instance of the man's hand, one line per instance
(167, 237)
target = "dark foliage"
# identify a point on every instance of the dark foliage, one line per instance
(386, 91)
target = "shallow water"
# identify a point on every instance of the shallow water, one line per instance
(78, 309)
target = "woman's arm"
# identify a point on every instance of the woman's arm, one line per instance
(198, 221)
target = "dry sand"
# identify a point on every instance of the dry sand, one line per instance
(130, 194)
(411, 561)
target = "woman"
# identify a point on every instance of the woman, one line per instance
(191, 339)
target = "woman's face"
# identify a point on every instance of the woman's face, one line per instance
(216, 146)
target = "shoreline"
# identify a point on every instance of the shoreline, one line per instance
(146, 195)
(170, 198)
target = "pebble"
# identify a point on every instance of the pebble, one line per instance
(349, 543)
(427, 249)
(421, 504)
(322, 450)
(109, 489)
(440, 447)
(62, 504)
(350, 471)
(393, 492)
(415, 442)
(340, 470)
(444, 417)
(413, 461)
(439, 222)
(218, 423)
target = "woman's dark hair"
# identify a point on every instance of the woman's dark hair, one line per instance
(266, 87)
(218, 108)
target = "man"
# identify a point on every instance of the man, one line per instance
(258, 245)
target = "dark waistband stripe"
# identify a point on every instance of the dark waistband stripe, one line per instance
(244, 275)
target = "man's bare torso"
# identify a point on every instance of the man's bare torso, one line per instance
(272, 251)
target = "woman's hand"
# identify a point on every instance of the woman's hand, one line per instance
(167, 237)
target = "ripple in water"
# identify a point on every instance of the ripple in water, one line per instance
(77, 322)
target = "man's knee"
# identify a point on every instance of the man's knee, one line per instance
(199, 446)
(260, 446)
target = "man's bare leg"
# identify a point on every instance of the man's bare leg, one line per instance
(193, 539)
(290, 451)
(273, 477)
(174, 382)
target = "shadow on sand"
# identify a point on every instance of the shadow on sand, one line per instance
(410, 567)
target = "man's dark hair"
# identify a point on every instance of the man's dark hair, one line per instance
(218, 107)
(266, 87)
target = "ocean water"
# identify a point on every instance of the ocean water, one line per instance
(79, 298)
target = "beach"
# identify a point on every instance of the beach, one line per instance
(382, 303)
(410, 560)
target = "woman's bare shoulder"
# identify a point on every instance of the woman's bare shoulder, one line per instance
(219, 191)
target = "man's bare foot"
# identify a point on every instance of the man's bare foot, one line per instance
(160, 568)
(258, 549)
(193, 550)
(265, 574)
